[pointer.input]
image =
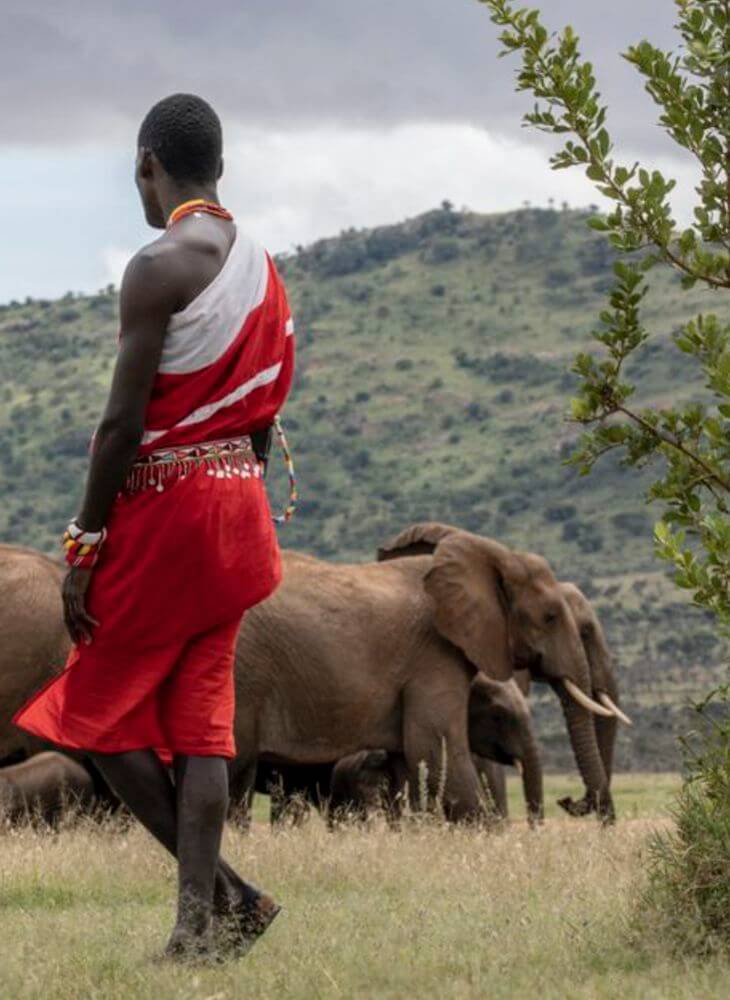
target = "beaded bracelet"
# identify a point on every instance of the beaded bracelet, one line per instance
(81, 547)
(289, 463)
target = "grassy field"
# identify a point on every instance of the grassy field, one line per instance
(427, 912)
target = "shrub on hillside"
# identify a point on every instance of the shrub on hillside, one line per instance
(441, 251)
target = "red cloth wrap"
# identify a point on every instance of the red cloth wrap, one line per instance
(180, 567)
(174, 578)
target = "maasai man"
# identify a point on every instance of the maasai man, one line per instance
(174, 540)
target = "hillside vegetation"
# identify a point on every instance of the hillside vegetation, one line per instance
(433, 382)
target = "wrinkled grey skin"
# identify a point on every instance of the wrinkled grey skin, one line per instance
(34, 643)
(533, 612)
(603, 679)
(494, 778)
(500, 732)
(43, 787)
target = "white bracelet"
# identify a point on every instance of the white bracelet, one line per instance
(85, 537)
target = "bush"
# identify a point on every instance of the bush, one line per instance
(560, 513)
(441, 251)
(688, 897)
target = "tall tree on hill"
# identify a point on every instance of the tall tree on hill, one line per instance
(690, 444)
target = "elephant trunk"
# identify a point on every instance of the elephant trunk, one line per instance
(532, 782)
(606, 730)
(582, 733)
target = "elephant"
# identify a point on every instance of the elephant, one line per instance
(33, 639)
(293, 788)
(500, 730)
(382, 655)
(43, 786)
(374, 779)
(604, 689)
(534, 618)
(378, 655)
(494, 777)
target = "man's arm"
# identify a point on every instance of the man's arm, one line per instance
(148, 298)
(149, 295)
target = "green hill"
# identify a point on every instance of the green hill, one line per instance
(433, 381)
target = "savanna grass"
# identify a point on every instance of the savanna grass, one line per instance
(428, 911)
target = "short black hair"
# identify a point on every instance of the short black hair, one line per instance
(185, 134)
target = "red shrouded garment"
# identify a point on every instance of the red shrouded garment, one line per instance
(192, 545)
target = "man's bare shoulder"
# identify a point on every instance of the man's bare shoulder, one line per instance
(155, 275)
(156, 257)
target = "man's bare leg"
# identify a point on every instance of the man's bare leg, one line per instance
(144, 785)
(201, 786)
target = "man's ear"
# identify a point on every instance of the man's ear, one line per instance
(220, 168)
(145, 164)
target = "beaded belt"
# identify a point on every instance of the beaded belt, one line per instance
(223, 459)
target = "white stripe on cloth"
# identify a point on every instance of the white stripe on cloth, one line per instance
(289, 328)
(204, 413)
(202, 332)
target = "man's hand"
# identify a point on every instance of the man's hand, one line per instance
(78, 622)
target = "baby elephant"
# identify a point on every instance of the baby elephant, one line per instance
(43, 786)
(372, 780)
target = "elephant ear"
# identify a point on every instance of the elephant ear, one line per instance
(470, 583)
(418, 540)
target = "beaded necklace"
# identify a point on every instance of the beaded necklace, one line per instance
(198, 205)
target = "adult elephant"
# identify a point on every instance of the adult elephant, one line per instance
(43, 787)
(485, 591)
(604, 688)
(33, 638)
(500, 732)
(382, 655)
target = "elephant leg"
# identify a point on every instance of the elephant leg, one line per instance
(278, 804)
(440, 767)
(497, 785)
(396, 790)
(241, 792)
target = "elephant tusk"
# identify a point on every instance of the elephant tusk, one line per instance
(582, 698)
(605, 700)
(519, 767)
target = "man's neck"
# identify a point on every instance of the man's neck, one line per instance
(178, 194)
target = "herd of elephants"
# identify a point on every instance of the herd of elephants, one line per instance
(400, 682)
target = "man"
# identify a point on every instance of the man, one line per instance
(175, 539)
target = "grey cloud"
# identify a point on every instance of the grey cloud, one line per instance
(87, 71)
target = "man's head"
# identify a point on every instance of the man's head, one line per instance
(180, 147)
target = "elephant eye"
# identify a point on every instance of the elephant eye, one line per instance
(585, 631)
(551, 617)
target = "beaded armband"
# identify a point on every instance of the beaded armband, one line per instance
(82, 548)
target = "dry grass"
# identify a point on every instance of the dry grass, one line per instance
(427, 912)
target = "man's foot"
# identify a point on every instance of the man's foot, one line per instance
(185, 945)
(239, 930)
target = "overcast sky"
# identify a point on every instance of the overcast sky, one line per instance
(336, 113)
